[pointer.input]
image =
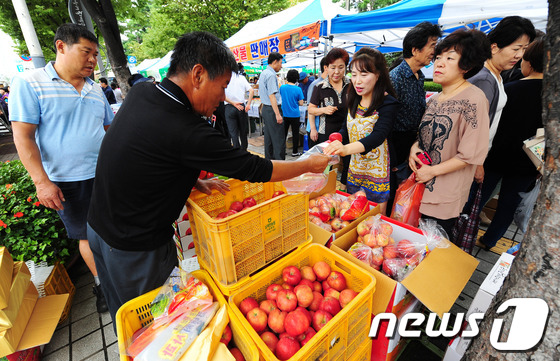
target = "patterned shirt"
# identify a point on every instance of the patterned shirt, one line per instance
(411, 95)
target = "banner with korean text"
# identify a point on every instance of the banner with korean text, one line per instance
(286, 42)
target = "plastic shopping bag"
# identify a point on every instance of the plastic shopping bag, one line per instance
(310, 182)
(407, 201)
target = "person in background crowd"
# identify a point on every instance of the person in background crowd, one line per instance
(130, 228)
(152, 79)
(137, 78)
(372, 109)
(118, 94)
(311, 117)
(304, 83)
(4, 95)
(454, 129)
(237, 107)
(274, 138)
(408, 81)
(58, 135)
(107, 91)
(292, 98)
(328, 103)
(508, 40)
(506, 161)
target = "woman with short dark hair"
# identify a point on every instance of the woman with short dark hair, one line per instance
(454, 128)
(507, 162)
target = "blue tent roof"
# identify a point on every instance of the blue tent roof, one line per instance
(406, 13)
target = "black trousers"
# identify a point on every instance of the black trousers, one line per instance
(294, 123)
(125, 275)
(238, 126)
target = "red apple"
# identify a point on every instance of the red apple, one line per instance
(272, 291)
(249, 202)
(237, 354)
(325, 286)
(306, 313)
(331, 305)
(226, 336)
(317, 286)
(202, 174)
(346, 296)
(296, 323)
(335, 136)
(236, 206)
(316, 303)
(286, 300)
(370, 240)
(308, 274)
(287, 286)
(362, 228)
(306, 336)
(413, 260)
(231, 212)
(320, 319)
(306, 283)
(322, 270)
(276, 321)
(337, 281)
(331, 292)
(386, 228)
(304, 295)
(277, 193)
(286, 348)
(406, 248)
(377, 256)
(258, 319)
(390, 251)
(270, 340)
(268, 305)
(382, 240)
(291, 275)
(247, 305)
(285, 335)
(222, 215)
(209, 175)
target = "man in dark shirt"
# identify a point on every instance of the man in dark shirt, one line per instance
(109, 94)
(408, 81)
(150, 160)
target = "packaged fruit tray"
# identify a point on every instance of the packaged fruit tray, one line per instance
(341, 338)
(136, 314)
(240, 244)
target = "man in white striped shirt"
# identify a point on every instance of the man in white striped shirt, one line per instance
(59, 117)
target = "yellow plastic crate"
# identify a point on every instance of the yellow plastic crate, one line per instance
(235, 247)
(136, 314)
(364, 353)
(345, 333)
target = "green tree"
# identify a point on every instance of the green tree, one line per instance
(169, 19)
(365, 5)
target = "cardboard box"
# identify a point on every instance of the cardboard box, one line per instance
(43, 319)
(387, 349)
(6, 268)
(488, 289)
(20, 282)
(437, 281)
(451, 353)
(323, 236)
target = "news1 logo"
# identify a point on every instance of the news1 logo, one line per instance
(526, 330)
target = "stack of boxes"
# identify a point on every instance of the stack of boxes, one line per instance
(25, 320)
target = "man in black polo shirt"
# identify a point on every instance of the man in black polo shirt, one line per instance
(150, 160)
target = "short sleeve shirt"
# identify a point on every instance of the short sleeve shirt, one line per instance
(69, 124)
(455, 128)
(236, 89)
(412, 96)
(268, 84)
(291, 95)
(324, 95)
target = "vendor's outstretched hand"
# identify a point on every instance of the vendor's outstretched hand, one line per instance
(317, 163)
(206, 186)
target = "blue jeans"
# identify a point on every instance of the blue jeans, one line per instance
(508, 201)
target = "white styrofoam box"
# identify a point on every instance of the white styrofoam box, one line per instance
(488, 289)
(451, 353)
